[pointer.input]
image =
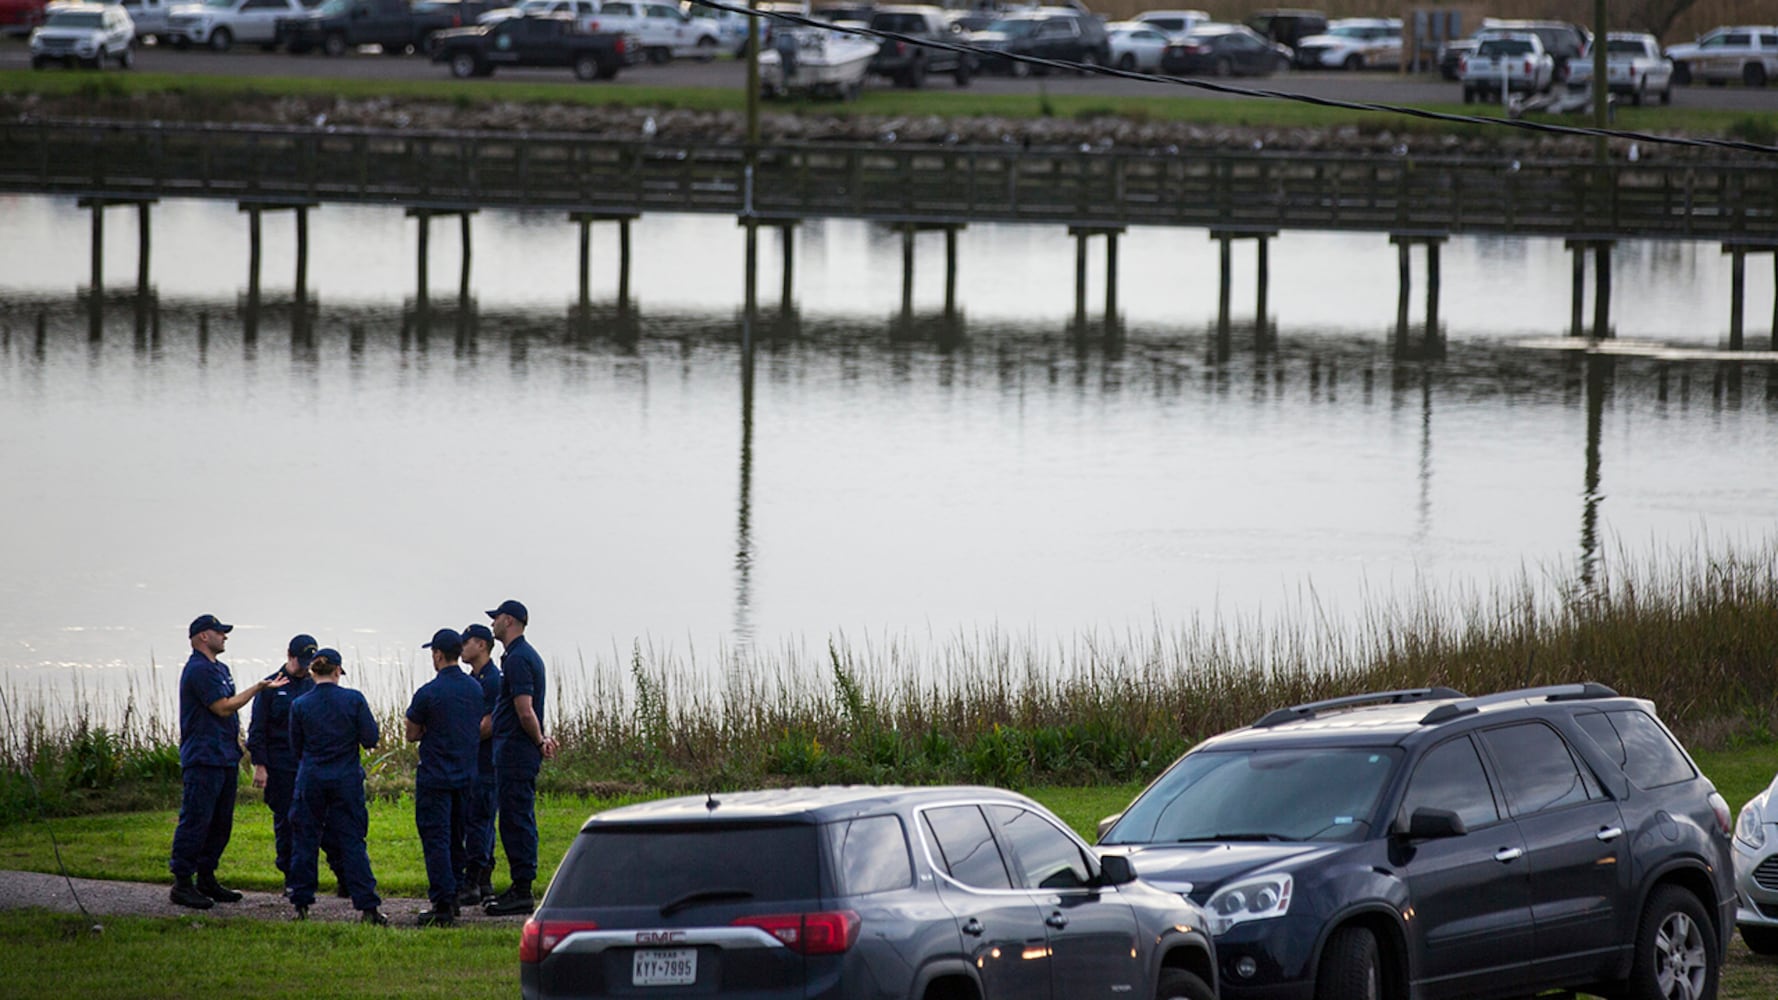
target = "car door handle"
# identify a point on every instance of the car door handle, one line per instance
(1609, 833)
(1507, 855)
(1056, 920)
(973, 927)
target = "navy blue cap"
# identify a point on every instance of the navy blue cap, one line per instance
(481, 632)
(445, 641)
(514, 609)
(329, 654)
(302, 646)
(205, 623)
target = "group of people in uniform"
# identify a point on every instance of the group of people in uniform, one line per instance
(481, 745)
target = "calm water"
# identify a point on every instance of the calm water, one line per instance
(370, 480)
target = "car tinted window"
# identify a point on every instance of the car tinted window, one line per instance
(1768, 41)
(1451, 777)
(1049, 858)
(652, 866)
(906, 24)
(1537, 770)
(1651, 759)
(870, 855)
(1323, 794)
(966, 847)
(1596, 725)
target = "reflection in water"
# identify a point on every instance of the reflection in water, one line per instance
(1599, 369)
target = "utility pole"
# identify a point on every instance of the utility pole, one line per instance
(1601, 92)
(753, 79)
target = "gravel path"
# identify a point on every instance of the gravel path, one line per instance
(102, 898)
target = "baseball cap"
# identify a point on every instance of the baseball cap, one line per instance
(478, 631)
(205, 623)
(512, 608)
(329, 654)
(302, 646)
(445, 641)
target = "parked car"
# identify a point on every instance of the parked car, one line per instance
(87, 34)
(1135, 45)
(1563, 40)
(541, 40)
(853, 892)
(1288, 26)
(149, 17)
(1422, 843)
(1353, 43)
(1748, 54)
(908, 64)
(1224, 50)
(731, 28)
(1503, 64)
(1173, 22)
(339, 26)
(582, 11)
(1047, 33)
(221, 23)
(18, 17)
(663, 29)
(1634, 67)
(1756, 872)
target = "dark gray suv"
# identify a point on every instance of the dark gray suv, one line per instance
(1423, 844)
(849, 893)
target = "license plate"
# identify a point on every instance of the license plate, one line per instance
(665, 967)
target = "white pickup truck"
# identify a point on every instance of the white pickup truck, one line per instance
(1502, 64)
(663, 29)
(1634, 67)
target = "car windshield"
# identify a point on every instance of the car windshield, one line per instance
(225, 4)
(1356, 31)
(1014, 29)
(75, 19)
(334, 7)
(1261, 795)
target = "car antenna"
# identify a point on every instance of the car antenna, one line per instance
(710, 801)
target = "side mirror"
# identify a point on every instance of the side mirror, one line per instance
(1107, 823)
(1115, 869)
(1434, 824)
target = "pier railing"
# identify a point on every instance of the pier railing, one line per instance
(1730, 201)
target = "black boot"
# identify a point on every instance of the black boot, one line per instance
(468, 892)
(186, 894)
(439, 915)
(302, 913)
(373, 916)
(513, 902)
(208, 885)
(485, 884)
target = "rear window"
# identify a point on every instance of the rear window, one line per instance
(1639, 745)
(870, 855)
(906, 24)
(1505, 47)
(653, 866)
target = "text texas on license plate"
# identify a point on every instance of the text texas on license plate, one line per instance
(665, 967)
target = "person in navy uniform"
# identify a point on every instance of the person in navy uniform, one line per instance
(445, 718)
(209, 762)
(476, 883)
(519, 751)
(268, 744)
(327, 726)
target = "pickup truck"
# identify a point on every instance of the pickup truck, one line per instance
(1748, 53)
(547, 40)
(221, 23)
(661, 29)
(1504, 63)
(338, 26)
(1634, 67)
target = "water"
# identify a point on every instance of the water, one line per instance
(369, 484)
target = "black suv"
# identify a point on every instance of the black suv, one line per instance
(1424, 844)
(1046, 33)
(853, 893)
(907, 63)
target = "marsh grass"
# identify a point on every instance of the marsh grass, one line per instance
(1695, 631)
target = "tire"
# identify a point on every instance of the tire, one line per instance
(1353, 63)
(1350, 967)
(220, 40)
(1675, 950)
(1640, 97)
(126, 59)
(1126, 62)
(427, 43)
(1020, 70)
(586, 67)
(658, 56)
(1223, 68)
(706, 49)
(963, 73)
(1682, 74)
(1761, 940)
(1754, 75)
(464, 65)
(915, 76)
(334, 45)
(1178, 984)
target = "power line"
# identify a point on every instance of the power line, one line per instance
(1548, 128)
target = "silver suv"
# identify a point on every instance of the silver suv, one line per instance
(837, 893)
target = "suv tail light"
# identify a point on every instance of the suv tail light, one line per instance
(540, 937)
(828, 933)
(1724, 820)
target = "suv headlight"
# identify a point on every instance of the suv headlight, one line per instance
(1253, 899)
(1749, 829)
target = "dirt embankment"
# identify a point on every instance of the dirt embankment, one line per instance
(1096, 133)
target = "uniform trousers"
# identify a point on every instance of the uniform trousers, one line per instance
(478, 823)
(439, 814)
(330, 811)
(516, 788)
(206, 820)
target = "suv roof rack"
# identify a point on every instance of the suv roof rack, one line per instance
(1297, 713)
(1553, 692)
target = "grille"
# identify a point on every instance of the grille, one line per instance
(1767, 909)
(1766, 875)
(57, 44)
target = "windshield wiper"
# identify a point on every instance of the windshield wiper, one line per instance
(1265, 837)
(701, 897)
